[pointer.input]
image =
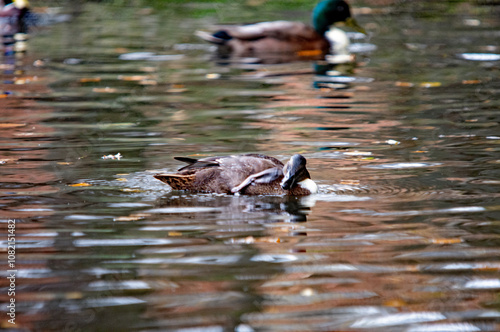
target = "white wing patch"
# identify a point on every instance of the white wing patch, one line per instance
(309, 185)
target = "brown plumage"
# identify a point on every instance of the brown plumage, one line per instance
(282, 41)
(250, 174)
(268, 38)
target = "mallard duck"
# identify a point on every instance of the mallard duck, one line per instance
(12, 16)
(284, 37)
(250, 174)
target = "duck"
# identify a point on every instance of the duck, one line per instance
(265, 39)
(13, 15)
(247, 174)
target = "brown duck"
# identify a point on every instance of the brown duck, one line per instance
(285, 37)
(250, 174)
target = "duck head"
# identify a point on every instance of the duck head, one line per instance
(296, 174)
(329, 12)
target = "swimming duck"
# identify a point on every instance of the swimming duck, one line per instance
(281, 37)
(250, 174)
(12, 16)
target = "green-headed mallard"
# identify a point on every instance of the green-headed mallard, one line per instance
(250, 174)
(263, 39)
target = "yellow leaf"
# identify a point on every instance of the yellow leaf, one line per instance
(446, 241)
(129, 190)
(81, 184)
(430, 84)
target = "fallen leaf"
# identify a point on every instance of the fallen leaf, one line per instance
(81, 184)
(430, 84)
(12, 125)
(446, 241)
(90, 79)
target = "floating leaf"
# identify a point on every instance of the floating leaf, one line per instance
(395, 303)
(81, 184)
(90, 79)
(430, 84)
(446, 241)
(134, 77)
(128, 218)
(130, 190)
(471, 81)
(350, 182)
(104, 90)
(6, 160)
(117, 156)
(212, 76)
(148, 82)
(404, 84)
(12, 125)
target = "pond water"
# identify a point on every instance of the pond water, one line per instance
(403, 235)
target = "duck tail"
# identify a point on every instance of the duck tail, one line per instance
(176, 181)
(220, 37)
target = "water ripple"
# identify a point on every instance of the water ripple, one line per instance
(397, 319)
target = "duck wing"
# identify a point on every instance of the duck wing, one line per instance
(281, 30)
(197, 163)
(265, 177)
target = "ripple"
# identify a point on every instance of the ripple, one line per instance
(397, 319)
(149, 56)
(125, 242)
(455, 210)
(483, 284)
(276, 258)
(102, 285)
(455, 327)
(403, 165)
(480, 56)
(193, 209)
(460, 267)
(311, 299)
(201, 260)
(128, 205)
(110, 302)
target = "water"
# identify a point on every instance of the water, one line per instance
(404, 146)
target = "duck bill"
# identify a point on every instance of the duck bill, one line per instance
(351, 23)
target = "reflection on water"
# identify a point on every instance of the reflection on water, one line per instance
(404, 146)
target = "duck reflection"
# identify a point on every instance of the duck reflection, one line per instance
(251, 209)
